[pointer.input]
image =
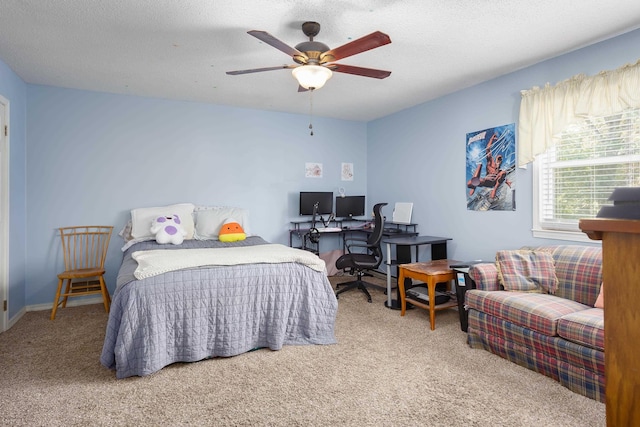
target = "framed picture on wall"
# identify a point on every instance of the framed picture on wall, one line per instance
(490, 169)
(313, 170)
(347, 172)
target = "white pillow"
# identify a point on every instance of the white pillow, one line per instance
(141, 219)
(129, 241)
(209, 220)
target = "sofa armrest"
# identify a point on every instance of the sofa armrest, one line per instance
(486, 276)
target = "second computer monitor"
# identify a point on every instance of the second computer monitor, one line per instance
(349, 206)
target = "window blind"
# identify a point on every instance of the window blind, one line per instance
(579, 173)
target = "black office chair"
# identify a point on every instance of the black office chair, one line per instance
(369, 256)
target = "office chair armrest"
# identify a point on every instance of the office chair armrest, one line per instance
(358, 245)
(355, 239)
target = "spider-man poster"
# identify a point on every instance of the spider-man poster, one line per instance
(491, 162)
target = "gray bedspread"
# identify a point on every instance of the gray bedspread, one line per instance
(217, 311)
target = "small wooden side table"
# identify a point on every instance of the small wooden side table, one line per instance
(431, 273)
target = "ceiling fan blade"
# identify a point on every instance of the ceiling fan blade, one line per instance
(360, 71)
(258, 70)
(278, 44)
(362, 44)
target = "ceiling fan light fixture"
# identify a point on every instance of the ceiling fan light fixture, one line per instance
(312, 77)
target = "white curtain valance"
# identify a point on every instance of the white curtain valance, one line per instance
(545, 112)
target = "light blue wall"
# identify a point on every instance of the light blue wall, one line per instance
(418, 155)
(15, 90)
(92, 157)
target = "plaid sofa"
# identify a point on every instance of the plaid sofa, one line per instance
(560, 335)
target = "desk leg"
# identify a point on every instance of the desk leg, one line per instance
(390, 302)
(403, 301)
(403, 255)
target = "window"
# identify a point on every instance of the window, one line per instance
(576, 176)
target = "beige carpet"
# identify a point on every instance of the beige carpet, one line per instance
(385, 371)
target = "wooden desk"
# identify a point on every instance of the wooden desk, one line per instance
(431, 273)
(620, 272)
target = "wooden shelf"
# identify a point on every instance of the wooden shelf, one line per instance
(418, 303)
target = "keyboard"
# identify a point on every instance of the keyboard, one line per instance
(329, 229)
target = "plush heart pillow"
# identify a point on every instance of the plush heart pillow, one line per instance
(600, 300)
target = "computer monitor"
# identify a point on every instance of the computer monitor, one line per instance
(309, 198)
(349, 206)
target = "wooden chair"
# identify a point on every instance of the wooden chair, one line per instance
(84, 249)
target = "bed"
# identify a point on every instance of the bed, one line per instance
(205, 298)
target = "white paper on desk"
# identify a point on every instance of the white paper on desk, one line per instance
(402, 213)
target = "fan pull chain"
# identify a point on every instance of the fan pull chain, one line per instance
(311, 111)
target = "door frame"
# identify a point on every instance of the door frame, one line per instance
(4, 213)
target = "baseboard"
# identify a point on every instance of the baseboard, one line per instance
(372, 273)
(17, 317)
(72, 302)
(378, 274)
(75, 302)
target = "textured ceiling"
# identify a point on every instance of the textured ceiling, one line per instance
(182, 49)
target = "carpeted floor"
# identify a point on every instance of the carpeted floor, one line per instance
(386, 370)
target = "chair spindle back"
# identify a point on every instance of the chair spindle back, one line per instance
(85, 247)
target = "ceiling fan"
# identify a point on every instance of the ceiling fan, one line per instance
(315, 61)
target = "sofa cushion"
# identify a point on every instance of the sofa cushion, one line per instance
(584, 327)
(527, 271)
(579, 272)
(539, 312)
(485, 325)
